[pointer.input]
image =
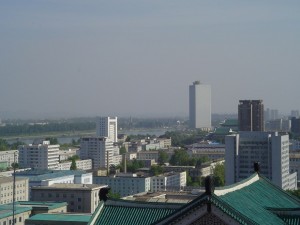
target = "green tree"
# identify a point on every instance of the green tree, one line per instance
(122, 150)
(162, 157)
(219, 175)
(73, 165)
(53, 140)
(15, 145)
(180, 158)
(113, 195)
(15, 165)
(156, 170)
(3, 145)
(134, 165)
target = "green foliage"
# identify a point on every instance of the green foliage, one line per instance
(162, 157)
(3, 145)
(15, 165)
(16, 145)
(122, 150)
(182, 138)
(74, 157)
(156, 170)
(219, 175)
(113, 195)
(180, 158)
(26, 129)
(133, 165)
(53, 140)
(73, 165)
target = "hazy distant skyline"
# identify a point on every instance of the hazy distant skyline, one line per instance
(128, 57)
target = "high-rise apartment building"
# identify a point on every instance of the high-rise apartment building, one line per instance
(295, 125)
(270, 149)
(39, 155)
(295, 113)
(107, 127)
(101, 150)
(251, 115)
(200, 105)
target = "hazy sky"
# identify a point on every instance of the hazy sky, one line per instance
(138, 57)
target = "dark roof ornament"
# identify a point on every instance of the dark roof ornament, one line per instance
(103, 193)
(256, 167)
(209, 185)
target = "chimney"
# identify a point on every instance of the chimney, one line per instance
(125, 164)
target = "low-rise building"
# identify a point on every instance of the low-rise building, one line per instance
(211, 151)
(82, 198)
(6, 189)
(168, 181)
(125, 184)
(144, 155)
(9, 157)
(85, 164)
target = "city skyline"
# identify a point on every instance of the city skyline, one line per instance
(132, 58)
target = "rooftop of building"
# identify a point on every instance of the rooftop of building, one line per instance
(61, 217)
(37, 175)
(252, 201)
(37, 204)
(7, 210)
(77, 187)
(11, 179)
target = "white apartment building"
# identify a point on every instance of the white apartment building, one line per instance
(66, 154)
(101, 150)
(9, 156)
(168, 181)
(85, 164)
(6, 189)
(200, 105)
(125, 184)
(270, 149)
(107, 127)
(40, 155)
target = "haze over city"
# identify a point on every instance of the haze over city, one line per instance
(139, 57)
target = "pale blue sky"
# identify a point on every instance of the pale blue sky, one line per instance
(138, 57)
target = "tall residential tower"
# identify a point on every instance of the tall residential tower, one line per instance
(107, 127)
(251, 115)
(200, 105)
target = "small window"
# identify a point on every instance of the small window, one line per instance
(79, 199)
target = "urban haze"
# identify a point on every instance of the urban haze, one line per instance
(130, 58)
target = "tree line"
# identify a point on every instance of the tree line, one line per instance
(27, 129)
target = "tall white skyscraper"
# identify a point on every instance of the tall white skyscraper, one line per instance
(107, 127)
(270, 149)
(200, 105)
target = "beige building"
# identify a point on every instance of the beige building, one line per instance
(83, 198)
(6, 189)
(9, 156)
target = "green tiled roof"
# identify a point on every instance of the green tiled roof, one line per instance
(61, 217)
(129, 213)
(255, 200)
(7, 210)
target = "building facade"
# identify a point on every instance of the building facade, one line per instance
(85, 164)
(101, 150)
(9, 157)
(270, 149)
(168, 181)
(6, 189)
(125, 184)
(83, 198)
(200, 105)
(39, 155)
(107, 127)
(251, 115)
